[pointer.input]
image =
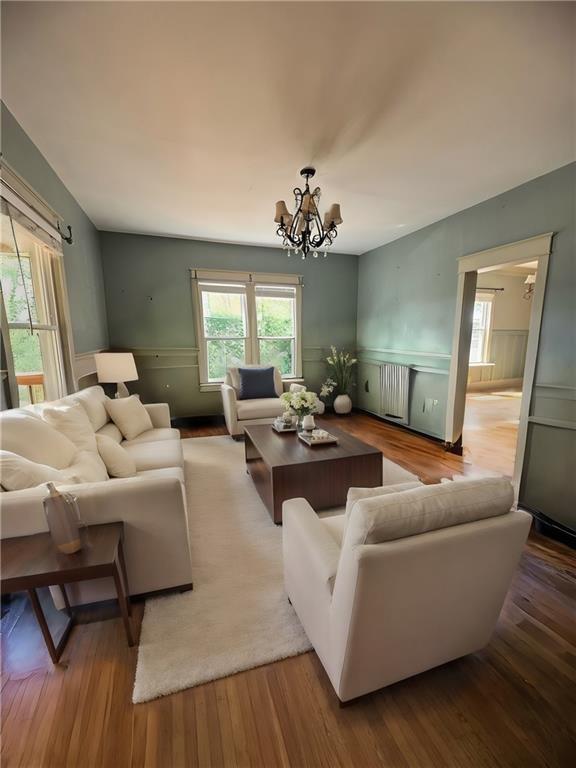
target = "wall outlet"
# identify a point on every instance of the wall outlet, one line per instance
(429, 404)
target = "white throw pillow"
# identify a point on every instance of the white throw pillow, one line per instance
(88, 467)
(18, 473)
(93, 401)
(72, 421)
(29, 436)
(428, 508)
(356, 494)
(129, 415)
(118, 461)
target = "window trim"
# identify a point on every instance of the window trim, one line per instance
(249, 281)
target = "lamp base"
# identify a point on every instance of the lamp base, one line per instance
(121, 390)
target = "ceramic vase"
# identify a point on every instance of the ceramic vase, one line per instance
(342, 404)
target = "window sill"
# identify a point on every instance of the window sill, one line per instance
(215, 386)
(481, 365)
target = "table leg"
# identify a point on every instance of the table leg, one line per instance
(123, 602)
(65, 598)
(55, 651)
(122, 562)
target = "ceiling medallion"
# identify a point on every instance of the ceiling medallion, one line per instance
(304, 231)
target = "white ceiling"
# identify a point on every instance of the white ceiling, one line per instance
(192, 119)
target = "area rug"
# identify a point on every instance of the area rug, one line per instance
(237, 617)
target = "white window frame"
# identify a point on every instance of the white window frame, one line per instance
(51, 297)
(486, 298)
(245, 283)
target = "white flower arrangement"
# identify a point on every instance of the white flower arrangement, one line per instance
(327, 388)
(301, 403)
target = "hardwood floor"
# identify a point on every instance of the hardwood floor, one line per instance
(491, 429)
(513, 704)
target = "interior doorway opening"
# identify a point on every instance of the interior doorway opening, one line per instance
(500, 328)
(474, 339)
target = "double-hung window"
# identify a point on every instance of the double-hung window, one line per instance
(247, 318)
(481, 325)
(36, 348)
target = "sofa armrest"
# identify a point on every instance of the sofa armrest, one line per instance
(155, 524)
(159, 414)
(230, 412)
(308, 546)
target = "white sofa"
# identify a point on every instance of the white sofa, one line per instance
(151, 504)
(380, 605)
(239, 413)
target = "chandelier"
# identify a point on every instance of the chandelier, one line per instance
(304, 231)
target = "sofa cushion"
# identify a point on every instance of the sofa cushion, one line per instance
(152, 435)
(336, 525)
(33, 438)
(233, 377)
(118, 461)
(73, 422)
(427, 508)
(129, 415)
(177, 472)
(256, 383)
(262, 408)
(355, 494)
(17, 473)
(112, 431)
(93, 400)
(162, 453)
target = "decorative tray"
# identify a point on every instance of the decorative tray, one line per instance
(317, 437)
(281, 428)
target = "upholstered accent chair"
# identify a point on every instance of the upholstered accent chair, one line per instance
(263, 410)
(403, 582)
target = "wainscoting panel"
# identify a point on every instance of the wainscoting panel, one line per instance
(548, 477)
(428, 386)
(172, 375)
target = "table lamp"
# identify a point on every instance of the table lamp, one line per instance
(116, 368)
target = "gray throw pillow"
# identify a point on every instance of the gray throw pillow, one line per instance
(256, 383)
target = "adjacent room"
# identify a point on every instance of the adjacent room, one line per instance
(288, 384)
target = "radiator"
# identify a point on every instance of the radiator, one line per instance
(395, 392)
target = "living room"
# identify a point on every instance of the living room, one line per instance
(162, 231)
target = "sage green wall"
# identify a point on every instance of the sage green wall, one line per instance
(406, 304)
(82, 262)
(149, 300)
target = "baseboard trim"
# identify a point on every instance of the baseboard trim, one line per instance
(550, 528)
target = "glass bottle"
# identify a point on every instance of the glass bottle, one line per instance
(61, 510)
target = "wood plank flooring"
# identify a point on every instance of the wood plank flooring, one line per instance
(490, 429)
(513, 704)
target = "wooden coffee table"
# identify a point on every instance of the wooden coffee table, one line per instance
(30, 562)
(283, 467)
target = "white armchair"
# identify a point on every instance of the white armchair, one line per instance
(239, 413)
(402, 585)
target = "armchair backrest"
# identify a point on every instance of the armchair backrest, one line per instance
(232, 378)
(403, 606)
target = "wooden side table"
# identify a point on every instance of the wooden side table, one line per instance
(30, 562)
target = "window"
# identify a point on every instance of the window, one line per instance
(29, 275)
(481, 323)
(247, 319)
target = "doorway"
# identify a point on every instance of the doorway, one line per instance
(492, 368)
(500, 327)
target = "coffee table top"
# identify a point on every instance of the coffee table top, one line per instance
(29, 558)
(279, 450)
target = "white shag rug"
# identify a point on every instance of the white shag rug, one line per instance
(237, 617)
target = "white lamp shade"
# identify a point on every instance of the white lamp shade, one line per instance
(530, 280)
(115, 367)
